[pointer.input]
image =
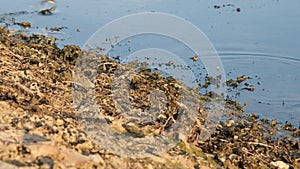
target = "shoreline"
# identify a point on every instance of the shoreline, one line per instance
(39, 128)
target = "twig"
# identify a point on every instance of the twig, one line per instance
(261, 144)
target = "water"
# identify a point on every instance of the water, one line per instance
(261, 41)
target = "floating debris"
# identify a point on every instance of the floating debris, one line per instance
(217, 6)
(242, 78)
(48, 1)
(251, 89)
(25, 25)
(57, 28)
(48, 11)
(195, 58)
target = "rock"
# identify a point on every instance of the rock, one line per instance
(33, 138)
(280, 165)
(64, 157)
(11, 136)
(59, 122)
(7, 165)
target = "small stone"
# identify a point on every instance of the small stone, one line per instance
(149, 166)
(229, 123)
(28, 126)
(25, 25)
(6, 165)
(195, 58)
(280, 165)
(59, 122)
(273, 122)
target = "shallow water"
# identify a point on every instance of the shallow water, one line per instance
(261, 41)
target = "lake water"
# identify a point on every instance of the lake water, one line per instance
(261, 41)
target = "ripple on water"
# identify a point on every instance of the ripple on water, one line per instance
(275, 78)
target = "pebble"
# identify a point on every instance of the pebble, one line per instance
(280, 165)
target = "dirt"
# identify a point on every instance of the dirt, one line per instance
(39, 127)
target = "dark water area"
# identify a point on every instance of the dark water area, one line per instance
(256, 38)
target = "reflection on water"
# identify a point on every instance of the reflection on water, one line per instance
(269, 29)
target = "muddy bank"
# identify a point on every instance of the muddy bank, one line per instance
(40, 129)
